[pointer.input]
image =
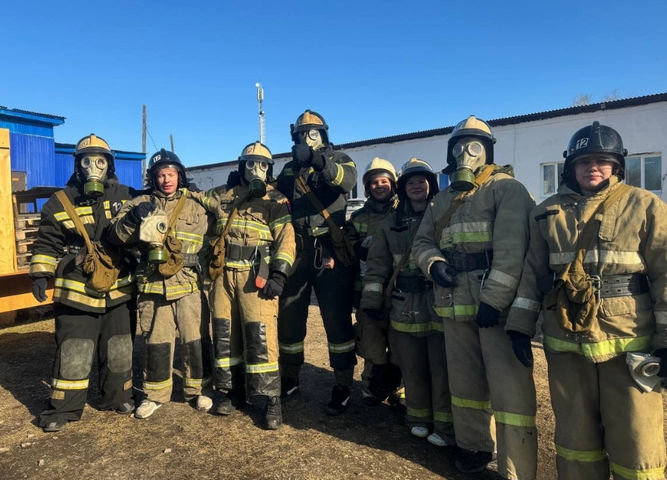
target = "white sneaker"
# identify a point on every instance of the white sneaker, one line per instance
(204, 403)
(437, 440)
(421, 432)
(146, 409)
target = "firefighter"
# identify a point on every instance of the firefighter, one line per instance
(415, 336)
(379, 376)
(471, 243)
(604, 387)
(329, 175)
(169, 230)
(259, 252)
(86, 319)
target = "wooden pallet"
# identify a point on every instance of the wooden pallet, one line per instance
(27, 220)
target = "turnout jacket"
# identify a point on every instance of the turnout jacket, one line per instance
(336, 179)
(192, 224)
(410, 312)
(259, 221)
(493, 218)
(632, 239)
(362, 226)
(58, 242)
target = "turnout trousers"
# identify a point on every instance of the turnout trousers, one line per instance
(245, 335)
(604, 421)
(78, 335)
(333, 288)
(423, 362)
(486, 380)
(159, 319)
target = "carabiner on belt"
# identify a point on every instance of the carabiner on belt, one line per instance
(318, 253)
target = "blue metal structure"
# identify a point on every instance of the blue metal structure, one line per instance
(33, 150)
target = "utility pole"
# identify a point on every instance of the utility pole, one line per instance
(171, 139)
(260, 101)
(143, 147)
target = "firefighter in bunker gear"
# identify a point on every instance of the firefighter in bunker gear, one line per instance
(473, 251)
(379, 182)
(415, 334)
(170, 297)
(86, 319)
(604, 420)
(245, 313)
(330, 175)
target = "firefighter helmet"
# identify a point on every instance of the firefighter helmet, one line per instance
(163, 159)
(94, 144)
(310, 120)
(256, 151)
(378, 166)
(470, 127)
(415, 166)
(595, 139)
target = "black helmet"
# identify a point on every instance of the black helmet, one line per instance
(415, 166)
(593, 139)
(165, 158)
(309, 120)
(470, 127)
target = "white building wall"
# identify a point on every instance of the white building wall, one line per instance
(525, 146)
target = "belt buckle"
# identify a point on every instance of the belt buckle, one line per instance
(596, 281)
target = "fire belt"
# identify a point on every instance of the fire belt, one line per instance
(620, 285)
(236, 252)
(413, 284)
(467, 262)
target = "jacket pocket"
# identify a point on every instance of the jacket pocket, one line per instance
(189, 218)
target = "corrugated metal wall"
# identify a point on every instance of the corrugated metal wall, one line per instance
(34, 155)
(129, 172)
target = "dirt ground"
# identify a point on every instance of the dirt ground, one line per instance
(179, 442)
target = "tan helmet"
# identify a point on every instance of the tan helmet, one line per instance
(415, 166)
(92, 144)
(256, 151)
(470, 127)
(309, 120)
(378, 166)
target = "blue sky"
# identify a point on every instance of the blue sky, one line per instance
(372, 68)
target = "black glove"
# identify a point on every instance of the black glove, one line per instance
(374, 314)
(140, 211)
(662, 353)
(274, 286)
(521, 347)
(318, 162)
(360, 252)
(444, 275)
(234, 179)
(487, 316)
(39, 289)
(302, 154)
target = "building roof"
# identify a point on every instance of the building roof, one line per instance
(32, 116)
(498, 122)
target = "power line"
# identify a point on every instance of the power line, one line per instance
(149, 134)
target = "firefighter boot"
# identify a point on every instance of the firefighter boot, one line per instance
(377, 385)
(273, 417)
(227, 402)
(289, 386)
(340, 398)
(469, 461)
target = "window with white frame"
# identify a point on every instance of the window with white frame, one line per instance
(551, 177)
(644, 171)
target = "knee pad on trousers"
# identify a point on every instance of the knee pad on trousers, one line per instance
(158, 366)
(257, 350)
(76, 358)
(119, 353)
(221, 337)
(192, 352)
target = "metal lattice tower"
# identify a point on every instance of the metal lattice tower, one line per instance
(260, 101)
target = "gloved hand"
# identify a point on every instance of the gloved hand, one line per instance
(487, 316)
(521, 347)
(444, 275)
(234, 179)
(302, 154)
(662, 353)
(374, 314)
(274, 286)
(318, 161)
(39, 289)
(140, 211)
